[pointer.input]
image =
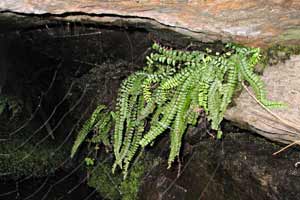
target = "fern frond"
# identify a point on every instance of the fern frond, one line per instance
(171, 92)
(102, 129)
(130, 118)
(86, 128)
(130, 127)
(214, 104)
(147, 89)
(230, 85)
(122, 112)
(193, 112)
(175, 56)
(162, 125)
(203, 88)
(257, 84)
(147, 110)
(136, 139)
(180, 121)
(177, 79)
(154, 79)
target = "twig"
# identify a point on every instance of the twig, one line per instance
(281, 129)
(286, 147)
(285, 122)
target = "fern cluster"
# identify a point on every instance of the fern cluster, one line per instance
(170, 93)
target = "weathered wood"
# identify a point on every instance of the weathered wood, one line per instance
(255, 22)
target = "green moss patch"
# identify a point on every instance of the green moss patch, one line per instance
(18, 159)
(114, 186)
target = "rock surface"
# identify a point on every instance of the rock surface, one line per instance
(255, 22)
(282, 83)
(240, 167)
(280, 79)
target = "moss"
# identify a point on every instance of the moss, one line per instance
(24, 154)
(130, 186)
(278, 53)
(113, 186)
(105, 182)
(290, 34)
(18, 160)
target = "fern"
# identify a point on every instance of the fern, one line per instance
(177, 79)
(130, 127)
(200, 81)
(86, 128)
(214, 104)
(136, 138)
(180, 122)
(257, 84)
(230, 85)
(122, 113)
(171, 92)
(126, 116)
(102, 128)
(158, 128)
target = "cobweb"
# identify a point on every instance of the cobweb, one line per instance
(58, 183)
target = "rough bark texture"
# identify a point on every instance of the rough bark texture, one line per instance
(255, 22)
